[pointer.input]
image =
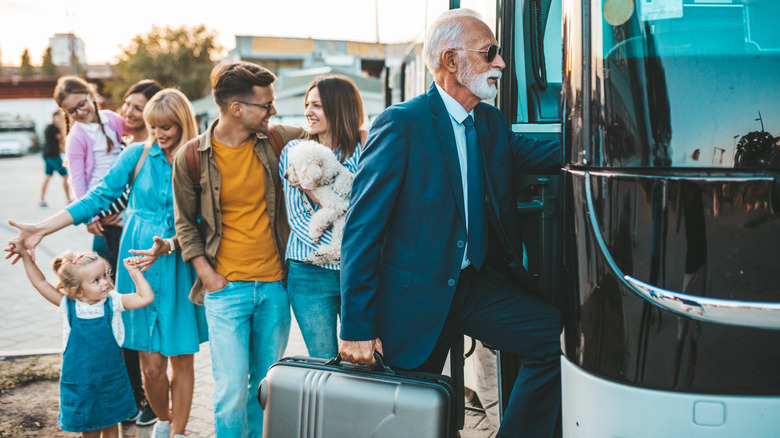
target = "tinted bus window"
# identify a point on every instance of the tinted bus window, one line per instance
(688, 83)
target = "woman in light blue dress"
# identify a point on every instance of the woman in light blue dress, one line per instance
(172, 327)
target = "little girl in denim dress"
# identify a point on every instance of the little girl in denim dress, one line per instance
(95, 392)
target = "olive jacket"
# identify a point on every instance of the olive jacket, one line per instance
(202, 238)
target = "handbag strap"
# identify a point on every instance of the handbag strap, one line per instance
(140, 163)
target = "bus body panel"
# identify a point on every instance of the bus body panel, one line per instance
(595, 407)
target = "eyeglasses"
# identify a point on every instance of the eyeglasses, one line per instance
(80, 107)
(490, 53)
(267, 106)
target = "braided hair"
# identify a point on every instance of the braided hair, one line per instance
(67, 85)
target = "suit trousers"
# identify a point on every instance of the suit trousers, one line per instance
(488, 307)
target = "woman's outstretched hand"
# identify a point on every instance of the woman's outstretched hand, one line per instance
(30, 235)
(160, 247)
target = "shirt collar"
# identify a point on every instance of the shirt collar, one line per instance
(93, 127)
(155, 150)
(454, 108)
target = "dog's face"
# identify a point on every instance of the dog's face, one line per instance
(307, 164)
(306, 174)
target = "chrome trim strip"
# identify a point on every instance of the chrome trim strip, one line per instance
(537, 128)
(730, 312)
(722, 178)
(741, 313)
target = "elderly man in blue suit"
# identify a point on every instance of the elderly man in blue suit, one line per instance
(431, 244)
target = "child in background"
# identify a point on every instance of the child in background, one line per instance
(52, 150)
(95, 392)
(94, 137)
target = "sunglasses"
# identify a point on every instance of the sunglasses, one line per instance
(490, 53)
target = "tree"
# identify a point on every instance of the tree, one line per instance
(26, 70)
(176, 57)
(48, 68)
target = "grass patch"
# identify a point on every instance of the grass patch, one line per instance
(15, 375)
(15, 431)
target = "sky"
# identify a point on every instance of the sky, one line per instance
(105, 26)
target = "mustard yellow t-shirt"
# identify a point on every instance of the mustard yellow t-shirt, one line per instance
(247, 250)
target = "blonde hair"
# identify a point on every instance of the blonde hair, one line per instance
(170, 106)
(68, 267)
(68, 85)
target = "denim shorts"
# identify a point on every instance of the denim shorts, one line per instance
(55, 165)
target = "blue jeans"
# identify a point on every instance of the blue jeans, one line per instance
(315, 297)
(249, 322)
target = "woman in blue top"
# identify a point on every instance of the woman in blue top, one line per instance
(171, 328)
(334, 111)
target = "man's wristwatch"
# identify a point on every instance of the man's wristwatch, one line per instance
(173, 247)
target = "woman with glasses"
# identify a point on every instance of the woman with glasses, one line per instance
(334, 111)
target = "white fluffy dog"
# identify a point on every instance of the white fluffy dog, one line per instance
(314, 167)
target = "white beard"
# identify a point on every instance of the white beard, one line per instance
(478, 84)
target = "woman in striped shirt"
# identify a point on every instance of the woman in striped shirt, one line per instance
(334, 112)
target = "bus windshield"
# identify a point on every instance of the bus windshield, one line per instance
(686, 83)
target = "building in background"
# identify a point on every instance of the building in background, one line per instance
(384, 74)
(374, 67)
(67, 49)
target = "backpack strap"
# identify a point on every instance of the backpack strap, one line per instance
(276, 141)
(193, 163)
(193, 168)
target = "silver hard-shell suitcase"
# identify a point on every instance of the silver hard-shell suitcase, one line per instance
(316, 398)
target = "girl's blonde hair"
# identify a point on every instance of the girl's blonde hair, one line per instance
(67, 85)
(68, 267)
(170, 106)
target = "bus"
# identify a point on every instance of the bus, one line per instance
(660, 240)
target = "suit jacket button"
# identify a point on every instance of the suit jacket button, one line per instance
(460, 244)
(451, 282)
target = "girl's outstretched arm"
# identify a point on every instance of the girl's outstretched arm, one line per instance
(36, 277)
(144, 294)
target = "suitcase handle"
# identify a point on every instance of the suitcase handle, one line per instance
(378, 366)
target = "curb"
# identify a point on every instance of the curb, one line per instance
(26, 353)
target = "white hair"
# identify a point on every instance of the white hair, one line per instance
(445, 33)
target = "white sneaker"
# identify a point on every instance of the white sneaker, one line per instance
(178, 435)
(162, 429)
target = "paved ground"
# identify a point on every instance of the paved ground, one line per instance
(30, 325)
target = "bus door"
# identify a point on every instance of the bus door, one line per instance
(529, 32)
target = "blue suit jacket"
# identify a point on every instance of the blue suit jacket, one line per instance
(405, 232)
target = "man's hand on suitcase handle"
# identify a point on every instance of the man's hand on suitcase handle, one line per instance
(360, 352)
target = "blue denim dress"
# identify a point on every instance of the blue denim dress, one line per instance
(95, 390)
(172, 324)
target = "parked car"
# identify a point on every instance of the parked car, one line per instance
(16, 137)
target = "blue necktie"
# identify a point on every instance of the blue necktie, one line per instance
(477, 231)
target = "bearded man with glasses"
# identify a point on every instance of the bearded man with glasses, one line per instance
(431, 244)
(237, 241)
